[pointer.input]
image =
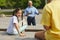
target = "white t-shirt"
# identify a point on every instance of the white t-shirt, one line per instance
(11, 29)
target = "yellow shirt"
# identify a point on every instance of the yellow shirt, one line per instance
(51, 17)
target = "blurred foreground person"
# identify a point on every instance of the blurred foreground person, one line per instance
(50, 21)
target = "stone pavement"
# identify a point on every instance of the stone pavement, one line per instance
(29, 36)
(4, 22)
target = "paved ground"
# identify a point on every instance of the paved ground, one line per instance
(4, 22)
(29, 36)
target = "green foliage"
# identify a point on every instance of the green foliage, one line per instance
(2, 2)
(10, 3)
(42, 3)
(20, 3)
(36, 3)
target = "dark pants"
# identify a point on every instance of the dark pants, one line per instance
(31, 20)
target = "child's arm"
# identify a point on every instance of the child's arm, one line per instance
(15, 22)
(16, 26)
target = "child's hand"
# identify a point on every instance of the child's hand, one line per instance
(22, 34)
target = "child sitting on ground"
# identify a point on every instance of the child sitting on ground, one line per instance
(15, 26)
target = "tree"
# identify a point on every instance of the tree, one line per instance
(36, 3)
(10, 3)
(20, 3)
(42, 4)
(2, 3)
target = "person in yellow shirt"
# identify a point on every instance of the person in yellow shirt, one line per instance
(50, 21)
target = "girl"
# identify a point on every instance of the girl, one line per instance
(15, 26)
